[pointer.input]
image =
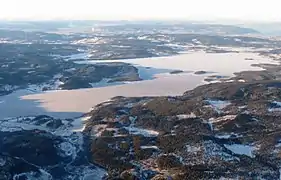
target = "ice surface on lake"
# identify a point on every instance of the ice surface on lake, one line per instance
(64, 103)
(222, 63)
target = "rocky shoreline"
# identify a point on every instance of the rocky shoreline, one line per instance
(224, 130)
(229, 129)
(44, 148)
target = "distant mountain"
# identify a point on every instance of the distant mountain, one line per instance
(187, 27)
(266, 28)
(133, 25)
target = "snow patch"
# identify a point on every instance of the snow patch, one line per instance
(242, 107)
(133, 120)
(274, 109)
(227, 136)
(237, 40)
(218, 105)
(141, 131)
(223, 118)
(241, 149)
(277, 107)
(12, 126)
(193, 149)
(2, 162)
(78, 56)
(196, 41)
(41, 175)
(149, 147)
(278, 145)
(78, 124)
(186, 116)
(68, 149)
(92, 174)
(8, 88)
(142, 37)
(98, 129)
(213, 150)
(223, 136)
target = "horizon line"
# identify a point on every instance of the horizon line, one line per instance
(217, 20)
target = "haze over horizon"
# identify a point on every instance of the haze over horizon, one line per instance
(141, 10)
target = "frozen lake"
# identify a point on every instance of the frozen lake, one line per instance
(222, 63)
(67, 104)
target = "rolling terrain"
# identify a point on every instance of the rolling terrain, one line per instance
(120, 100)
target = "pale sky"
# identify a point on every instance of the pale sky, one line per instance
(264, 10)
